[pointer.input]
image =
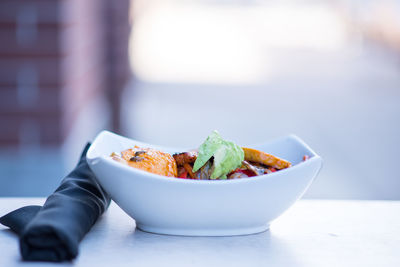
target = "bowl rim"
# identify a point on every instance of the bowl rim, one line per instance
(94, 160)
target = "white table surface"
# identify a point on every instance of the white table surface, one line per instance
(311, 233)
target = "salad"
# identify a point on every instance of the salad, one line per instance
(215, 159)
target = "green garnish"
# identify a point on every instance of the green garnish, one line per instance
(227, 155)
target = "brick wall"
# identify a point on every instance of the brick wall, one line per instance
(55, 56)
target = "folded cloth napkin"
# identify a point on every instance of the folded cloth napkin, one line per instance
(53, 232)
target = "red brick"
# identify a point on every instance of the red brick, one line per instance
(46, 44)
(47, 69)
(47, 10)
(46, 100)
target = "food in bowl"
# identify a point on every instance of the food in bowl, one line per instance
(148, 159)
(215, 159)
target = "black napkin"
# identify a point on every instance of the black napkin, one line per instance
(53, 232)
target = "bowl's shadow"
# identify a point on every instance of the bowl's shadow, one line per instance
(261, 249)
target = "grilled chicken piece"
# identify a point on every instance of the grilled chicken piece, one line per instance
(185, 157)
(151, 160)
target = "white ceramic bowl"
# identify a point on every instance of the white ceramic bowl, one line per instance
(168, 205)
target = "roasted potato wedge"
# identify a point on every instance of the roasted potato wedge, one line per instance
(258, 156)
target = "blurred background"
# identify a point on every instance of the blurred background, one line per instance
(169, 72)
